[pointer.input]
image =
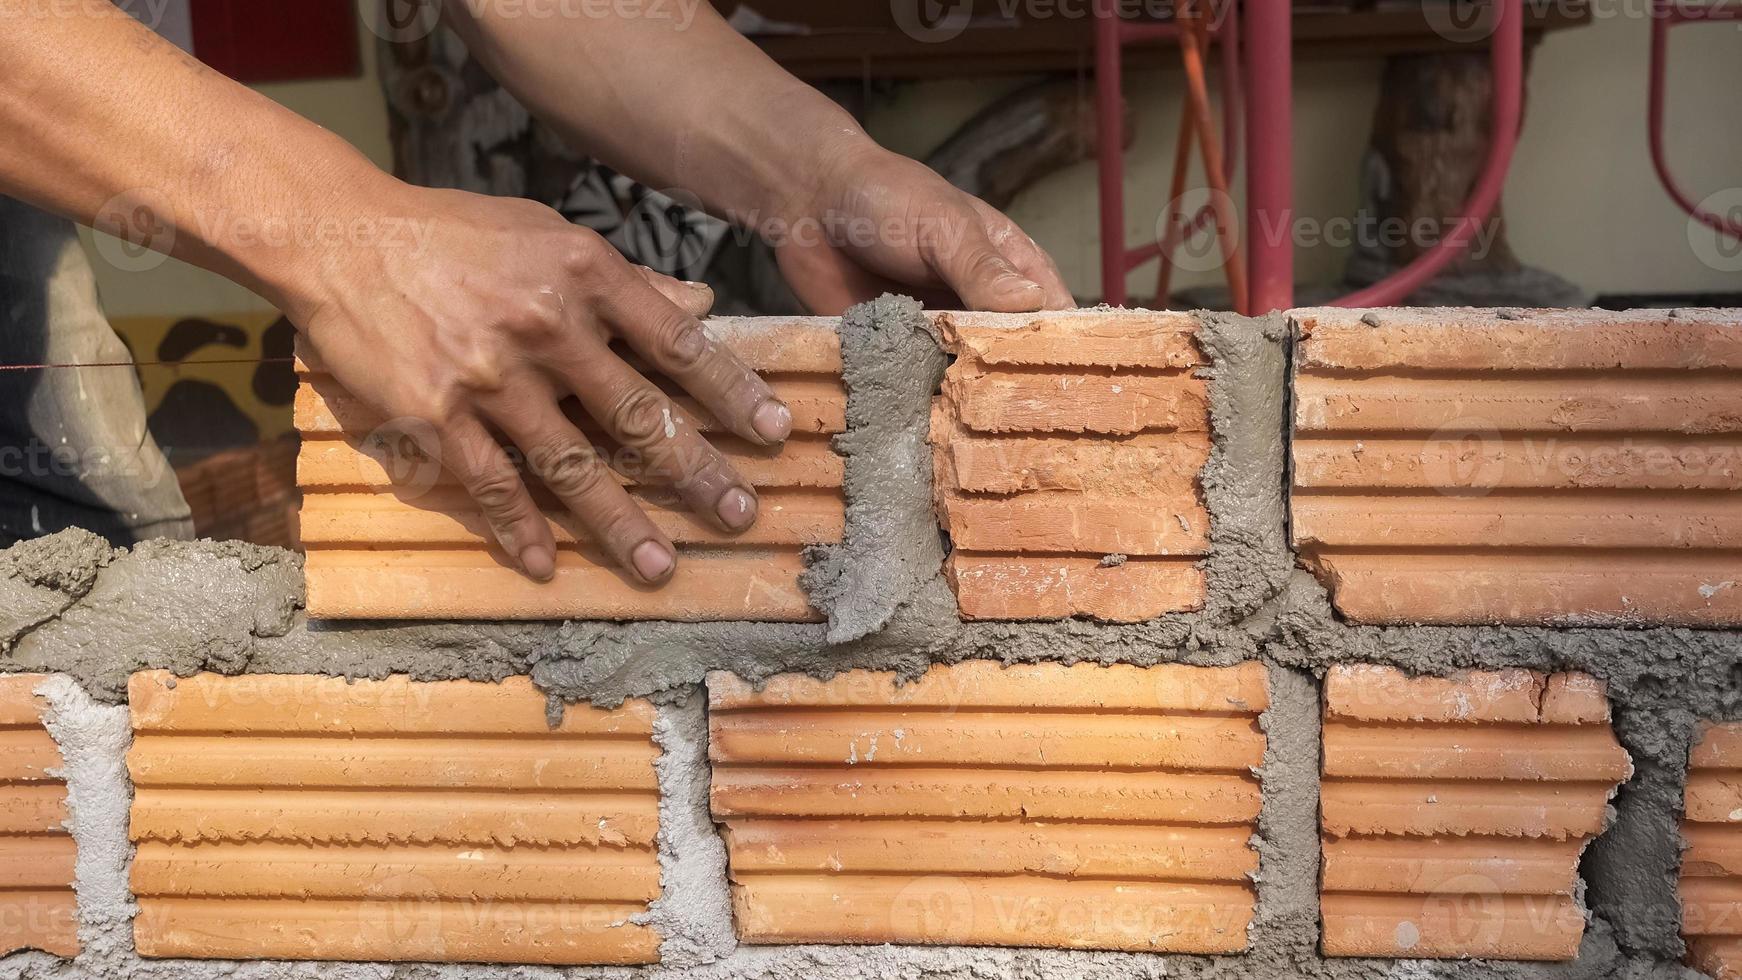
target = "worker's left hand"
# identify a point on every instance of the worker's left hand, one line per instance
(876, 221)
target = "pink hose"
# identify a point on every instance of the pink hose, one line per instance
(1664, 16)
(1508, 68)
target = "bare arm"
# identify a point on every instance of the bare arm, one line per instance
(669, 93)
(469, 314)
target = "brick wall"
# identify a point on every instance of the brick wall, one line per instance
(1478, 676)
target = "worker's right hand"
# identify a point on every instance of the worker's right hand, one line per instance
(493, 312)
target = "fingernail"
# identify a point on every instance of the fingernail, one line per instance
(652, 560)
(737, 509)
(772, 421)
(538, 561)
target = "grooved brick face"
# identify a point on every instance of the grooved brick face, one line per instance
(1084, 806)
(1454, 811)
(307, 818)
(389, 534)
(1060, 439)
(1711, 884)
(37, 906)
(1533, 467)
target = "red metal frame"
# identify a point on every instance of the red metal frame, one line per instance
(1507, 114)
(1666, 14)
(1192, 31)
(1269, 69)
(1265, 63)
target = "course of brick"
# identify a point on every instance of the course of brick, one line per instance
(1454, 811)
(1061, 439)
(296, 817)
(37, 906)
(1711, 884)
(1079, 807)
(1414, 762)
(390, 535)
(1529, 467)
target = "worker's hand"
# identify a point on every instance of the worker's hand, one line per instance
(498, 314)
(876, 221)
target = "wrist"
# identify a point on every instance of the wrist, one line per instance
(332, 215)
(815, 157)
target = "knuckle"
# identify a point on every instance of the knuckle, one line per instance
(641, 416)
(479, 372)
(583, 253)
(682, 342)
(536, 320)
(569, 470)
(615, 529)
(497, 491)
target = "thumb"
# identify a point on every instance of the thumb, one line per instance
(980, 274)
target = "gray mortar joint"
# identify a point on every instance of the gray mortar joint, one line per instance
(71, 604)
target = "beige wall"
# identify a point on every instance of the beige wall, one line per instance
(1582, 200)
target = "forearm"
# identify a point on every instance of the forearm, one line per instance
(110, 125)
(670, 95)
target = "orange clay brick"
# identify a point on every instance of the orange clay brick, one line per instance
(1711, 882)
(1530, 467)
(1060, 439)
(1081, 807)
(38, 909)
(300, 817)
(1454, 811)
(1060, 586)
(390, 535)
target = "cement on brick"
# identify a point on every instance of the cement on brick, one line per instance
(1287, 923)
(1659, 681)
(891, 364)
(693, 913)
(99, 613)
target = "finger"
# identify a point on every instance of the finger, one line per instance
(826, 282)
(489, 476)
(568, 465)
(675, 344)
(967, 261)
(1029, 258)
(666, 447)
(694, 298)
